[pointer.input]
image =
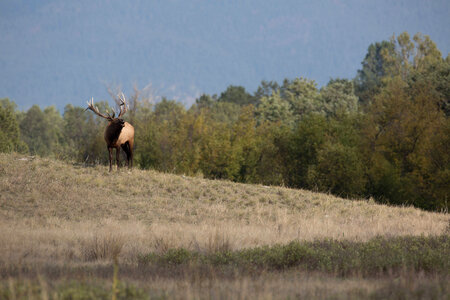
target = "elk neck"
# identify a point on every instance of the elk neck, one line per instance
(113, 130)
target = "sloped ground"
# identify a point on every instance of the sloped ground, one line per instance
(58, 219)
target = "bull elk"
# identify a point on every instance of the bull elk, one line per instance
(118, 133)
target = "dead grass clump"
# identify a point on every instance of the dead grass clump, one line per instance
(161, 245)
(219, 242)
(103, 246)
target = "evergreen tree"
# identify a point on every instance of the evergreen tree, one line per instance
(266, 89)
(237, 95)
(374, 67)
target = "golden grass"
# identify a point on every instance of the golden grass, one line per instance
(50, 210)
(61, 222)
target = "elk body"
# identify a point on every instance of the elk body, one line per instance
(118, 133)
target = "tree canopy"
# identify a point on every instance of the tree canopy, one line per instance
(384, 134)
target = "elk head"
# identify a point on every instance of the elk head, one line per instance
(118, 133)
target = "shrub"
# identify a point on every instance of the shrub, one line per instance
(377, 256)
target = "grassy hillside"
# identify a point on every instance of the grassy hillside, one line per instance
(179, 237)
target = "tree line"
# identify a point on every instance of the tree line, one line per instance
(383, 134)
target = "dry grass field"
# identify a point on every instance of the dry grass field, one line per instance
(61, 226)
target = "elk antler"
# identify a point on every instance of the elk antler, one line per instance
(96, 111)
(123, 103)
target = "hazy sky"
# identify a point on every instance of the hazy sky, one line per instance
(58, 52)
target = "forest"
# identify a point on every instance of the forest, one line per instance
(384, 134)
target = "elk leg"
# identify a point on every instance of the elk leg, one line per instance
(126, 149)
(131, 159)
(118, 157)
(130, 147)
(110, 158)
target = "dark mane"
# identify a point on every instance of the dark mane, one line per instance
(113, 131)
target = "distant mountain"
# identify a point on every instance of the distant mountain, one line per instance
(58, 52)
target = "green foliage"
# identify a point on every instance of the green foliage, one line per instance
(36, 132)
(377, 256)
(55, 123)
(324, 154)
(299, 148)
(204, 101)
(266, 89)
(403, 127)
(409, 56)
(43, 132)
(217, 157)
(435, 73)
(171, 257)
(269, 168)
(274, 109)
(338, 98)
(224, 112)
(374, 67)
(168, 111)
(303, 96)
(9, 128)
(339, 169)
(237, 95)
(82, 134)
(394, 149)
(149, 152)
(168, 115)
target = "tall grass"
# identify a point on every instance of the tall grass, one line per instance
(276, 285)
(66, 224)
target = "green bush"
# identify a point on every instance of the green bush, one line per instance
(377, 256)
(340, 170)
